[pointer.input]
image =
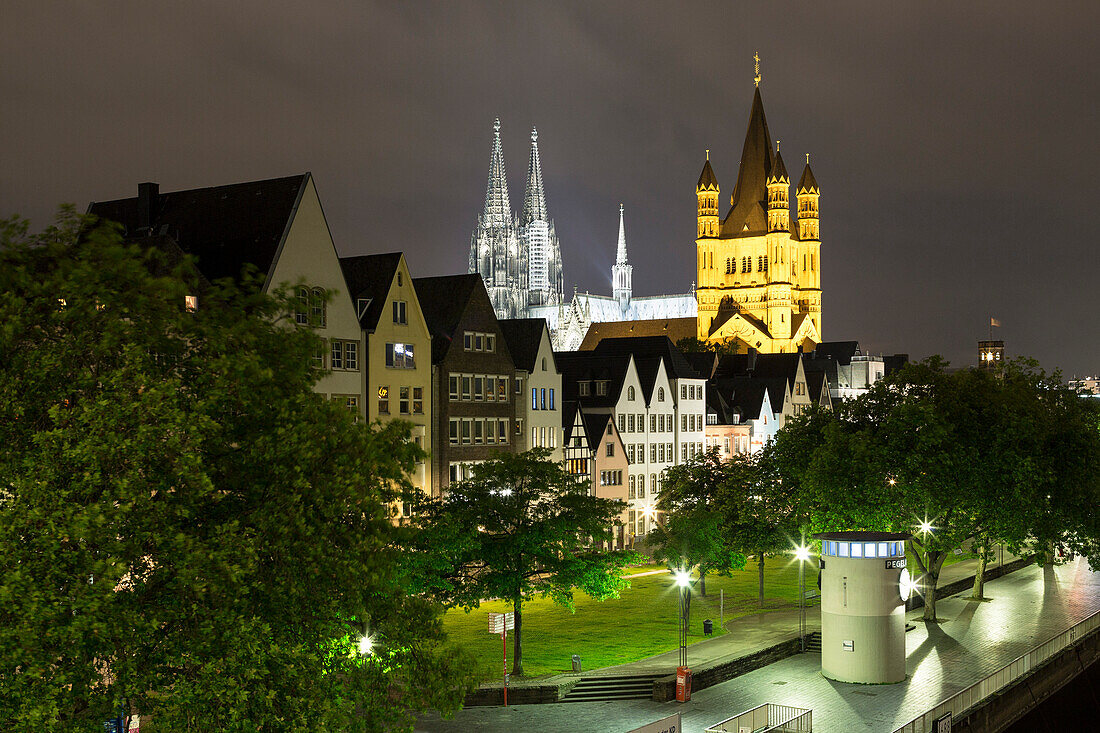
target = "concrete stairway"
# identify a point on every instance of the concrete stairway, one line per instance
(813, 642)
(608, 687)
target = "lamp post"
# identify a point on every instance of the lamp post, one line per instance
(683, 582)
(802, 554)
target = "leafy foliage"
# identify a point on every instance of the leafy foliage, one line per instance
(521, 527)
(187, 529)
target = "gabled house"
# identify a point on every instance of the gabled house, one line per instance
(595, 452)
(473, 377)
(276, 226)
(538, 384)
(734, 401)
(396, 359)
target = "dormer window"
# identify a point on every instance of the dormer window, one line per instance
(601, 387)
(584, 388)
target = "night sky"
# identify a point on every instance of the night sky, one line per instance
(955, 143)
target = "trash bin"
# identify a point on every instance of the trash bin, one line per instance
(683, 684)
(708, 627)
(576, 663)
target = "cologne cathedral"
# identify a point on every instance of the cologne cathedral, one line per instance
(519, 260)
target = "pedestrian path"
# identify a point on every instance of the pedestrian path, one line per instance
(972, 640)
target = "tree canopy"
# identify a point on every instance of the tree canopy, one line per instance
(187, 530)
(522, 527)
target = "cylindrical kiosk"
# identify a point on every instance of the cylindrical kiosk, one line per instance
(864, 586)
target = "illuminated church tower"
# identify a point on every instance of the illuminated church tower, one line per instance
(495, 251)
(759, 282)
(537, 237)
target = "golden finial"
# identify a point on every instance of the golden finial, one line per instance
(756, 58)
(807, 158)
(777, 146)
(708, 153)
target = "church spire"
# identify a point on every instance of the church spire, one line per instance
(621, 271)
(750, 193)
(498, 209)
(620, 252)
(534, 199)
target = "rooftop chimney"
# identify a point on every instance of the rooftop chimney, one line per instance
(147, 201)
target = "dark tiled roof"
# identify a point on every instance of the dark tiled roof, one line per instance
(779, 171)
(676, 365)
(815, 383)
(443, 301)
(738, 393)
(370, 277)
(840, 351)
(707, 179)
(578, 366)
(674, 328)
(704, 362)
(595, 426)
(807, 184)
(523, 336)
(224, 227)
(750, 196)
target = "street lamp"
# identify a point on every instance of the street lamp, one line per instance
(366, 645)
(802, 554)
(683, 582)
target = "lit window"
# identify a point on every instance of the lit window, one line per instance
(190, 303)
(551, 398)
(857, 549)
(418, 400)
(843, 549)
(400, 356)
(502, 389)
(384, 400)
(882, 549)
(534, 398)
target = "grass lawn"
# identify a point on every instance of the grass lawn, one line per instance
(639, 624)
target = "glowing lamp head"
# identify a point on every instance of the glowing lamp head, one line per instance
(802, 553)
(905, 585)
(925, 527)
(682, 578)
(366, 645)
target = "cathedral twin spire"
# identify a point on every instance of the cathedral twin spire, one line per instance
(520, 260)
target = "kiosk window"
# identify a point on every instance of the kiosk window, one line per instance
(843, 549)
(882, 549)
(857, 549)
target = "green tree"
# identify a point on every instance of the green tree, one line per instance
(522, 527)
(949, 454)
(187, 530)
(693, 345)
(693, 533)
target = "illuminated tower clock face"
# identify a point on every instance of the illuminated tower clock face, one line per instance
(904, 584)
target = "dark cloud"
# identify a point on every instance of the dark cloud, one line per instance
(955, 143)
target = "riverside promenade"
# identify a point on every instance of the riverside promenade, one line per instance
(972, 640)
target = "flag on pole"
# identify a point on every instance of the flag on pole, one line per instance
(994, 322)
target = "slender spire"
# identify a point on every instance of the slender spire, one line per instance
(534, 200)
(756, 58)
(498, 209)
(750, 193)
(620, 253)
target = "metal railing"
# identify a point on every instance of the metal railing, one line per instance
(961, 702)
(767, 717)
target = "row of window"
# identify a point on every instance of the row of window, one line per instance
(863, 549)
(474, 341)
(740, 444)
(479, 431)
(611, 478)
(746, 264)
(541, 437)
(658, 452)
(584, 388)
(690, 450)
(462, 470)
(691, 391)
(538, 398)
(410, 400)
(658, 423)
(637, 486)
(479, 387)
(691, 422)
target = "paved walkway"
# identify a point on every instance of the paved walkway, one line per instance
(972, 640)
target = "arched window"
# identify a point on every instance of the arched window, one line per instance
(641, 484)
(661, 394)
(630, 393)
(317, 308)
(301, 310)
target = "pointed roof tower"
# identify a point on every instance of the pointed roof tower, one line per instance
(498, 209)
(750, 195)
(808, 184)
(778, 172)
(707, 180)
(534, 200)
(620, 252)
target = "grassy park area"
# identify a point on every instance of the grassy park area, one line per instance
(639, 624)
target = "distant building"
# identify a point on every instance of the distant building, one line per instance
(991, 354)
(848, 369)
(1087, 386)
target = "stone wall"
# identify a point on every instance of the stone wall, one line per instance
(1010, 704)
(664, 689)
(551, 690)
